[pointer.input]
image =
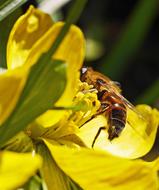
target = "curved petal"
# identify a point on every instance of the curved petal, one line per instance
(17, 168)
(32, 35)
(71, 51)
(26, 31)
(11, 85)
(136, 139)
(94, 170)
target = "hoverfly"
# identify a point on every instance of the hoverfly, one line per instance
(113, 104)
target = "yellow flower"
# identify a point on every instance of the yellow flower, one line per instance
(64, 138)
(136, 139)
(97, 169)
(14, 170)
(94, 170)
(32, 35)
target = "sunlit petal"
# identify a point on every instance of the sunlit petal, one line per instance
(25, 33)
(94, 170)
(17, 168)
(136, 139)
(11, 85)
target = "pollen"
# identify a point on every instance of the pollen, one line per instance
(86, 99)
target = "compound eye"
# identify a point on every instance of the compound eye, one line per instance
(83, 70)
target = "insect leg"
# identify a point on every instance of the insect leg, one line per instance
(98, 133)
(104, 108)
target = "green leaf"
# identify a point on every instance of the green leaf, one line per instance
(46, 83)
(131, 38)
(54, 177)
(8, 6)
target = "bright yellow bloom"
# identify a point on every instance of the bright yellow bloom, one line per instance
(101, 170)
(136, 139)
(94, 170)
(33, 34)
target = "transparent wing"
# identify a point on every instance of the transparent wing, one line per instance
(132, 123)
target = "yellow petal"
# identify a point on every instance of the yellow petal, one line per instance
(71, 51)
(136, 139)
(96, 170)
(11, 85)
(17, 168)
(26, 31)
(32, 35)
(54, 177)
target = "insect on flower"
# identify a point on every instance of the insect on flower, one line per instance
(113, 104)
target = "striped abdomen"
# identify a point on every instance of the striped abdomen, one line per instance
(116, 111)
(117, 119)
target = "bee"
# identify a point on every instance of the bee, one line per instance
(113, 104)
